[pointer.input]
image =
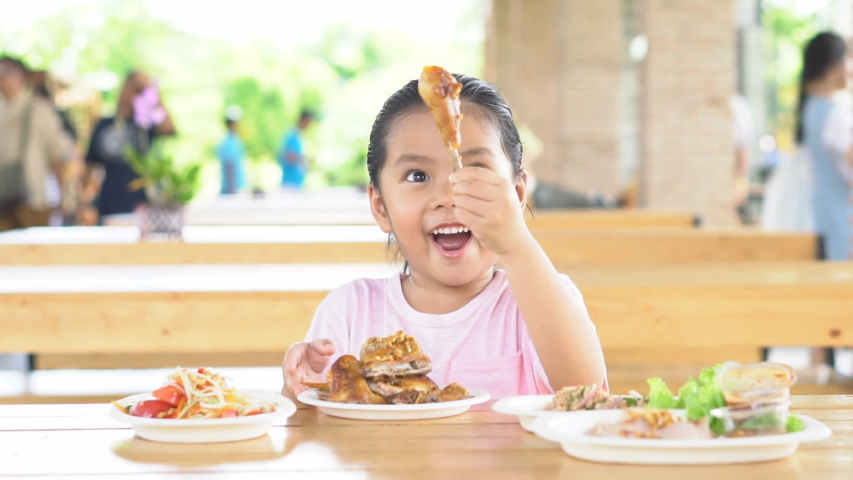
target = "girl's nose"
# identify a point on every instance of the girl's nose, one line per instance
(443, 194)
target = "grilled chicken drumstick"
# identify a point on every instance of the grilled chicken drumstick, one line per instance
(440, 92)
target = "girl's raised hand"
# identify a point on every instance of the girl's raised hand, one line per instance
(489, 205)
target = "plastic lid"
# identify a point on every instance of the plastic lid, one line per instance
(747, 383)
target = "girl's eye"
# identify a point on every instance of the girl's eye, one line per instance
(417, 176)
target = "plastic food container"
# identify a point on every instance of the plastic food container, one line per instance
(769, 418)
(755, 383)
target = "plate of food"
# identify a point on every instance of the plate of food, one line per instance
(199, 405)
(388, 382)
(665, 437)
(730, 413)
(569, 399)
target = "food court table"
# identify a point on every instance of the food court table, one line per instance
(80, 441)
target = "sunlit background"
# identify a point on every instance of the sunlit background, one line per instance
(272, 59)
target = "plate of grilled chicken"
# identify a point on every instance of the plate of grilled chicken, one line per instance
(388, 382)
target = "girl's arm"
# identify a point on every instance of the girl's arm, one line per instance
(490, 204)
(555, 316)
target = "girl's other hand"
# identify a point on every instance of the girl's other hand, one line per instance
(490, 206)
(305, 362)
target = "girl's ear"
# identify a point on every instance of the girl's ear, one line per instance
(377, 207)
(521, 187)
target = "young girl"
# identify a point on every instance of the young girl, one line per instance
(521, 329)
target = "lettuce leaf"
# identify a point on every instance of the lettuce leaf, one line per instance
(794, 424)
(698, 397)
(660, 396)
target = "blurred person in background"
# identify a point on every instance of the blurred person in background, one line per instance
(744, 136)
(32, 144)
(232, 153)
(549, 196)
(291, 156)
(824, 133)
(140, 118)
(69, 192)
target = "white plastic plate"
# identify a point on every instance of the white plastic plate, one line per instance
(526, 407)
(204, 430)
(393, 412)
(569, 431)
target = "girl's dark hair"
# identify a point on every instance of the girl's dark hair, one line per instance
(474, 92)
(477, 92)
(823, 52)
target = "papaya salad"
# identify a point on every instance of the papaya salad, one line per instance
(196, 393)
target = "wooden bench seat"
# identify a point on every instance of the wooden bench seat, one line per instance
(367, 244)
(259, 308)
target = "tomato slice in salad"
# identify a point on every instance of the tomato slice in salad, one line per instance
(151, 409)
(170, 394)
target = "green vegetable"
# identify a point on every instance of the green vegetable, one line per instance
(660, 396)
(128, 408)
(698, 397)
(794, 424)
(769, 421)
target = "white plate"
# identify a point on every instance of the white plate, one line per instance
(569, 432)
(393, 412)
(204, 430)
(526, 407)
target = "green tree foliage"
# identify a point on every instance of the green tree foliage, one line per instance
(344, 76)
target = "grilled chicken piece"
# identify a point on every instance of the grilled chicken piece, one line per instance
(396, 356)
(348, 385)
(406, 390)
(453, 392)
(440, 91)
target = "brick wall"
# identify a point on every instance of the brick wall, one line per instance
(558, 64)
(561, 64)
(687, 157)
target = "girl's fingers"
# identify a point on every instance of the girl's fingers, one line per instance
(480, 190)
(475, 206)
(293, 357)
(478, 174)
(322, 347)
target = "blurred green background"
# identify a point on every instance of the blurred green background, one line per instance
(340, 59)
(339, 70)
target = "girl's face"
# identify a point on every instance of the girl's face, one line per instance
(415, 198)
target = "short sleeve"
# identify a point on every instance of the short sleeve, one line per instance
(331, 322)
(838, 137)
(293, 145)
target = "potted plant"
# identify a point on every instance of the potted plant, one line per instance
(169, 187)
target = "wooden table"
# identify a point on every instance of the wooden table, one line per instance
(365, 243)
(267, 307)
(79, 441)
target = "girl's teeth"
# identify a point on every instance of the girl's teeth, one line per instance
(450, 230)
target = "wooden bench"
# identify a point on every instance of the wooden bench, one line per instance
(367, 244)
(263, 308)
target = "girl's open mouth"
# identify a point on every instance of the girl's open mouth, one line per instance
(451, 242)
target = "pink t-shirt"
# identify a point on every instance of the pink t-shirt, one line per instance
(484, 345)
